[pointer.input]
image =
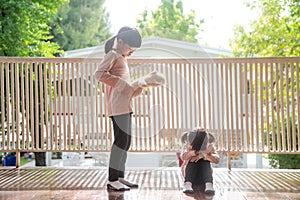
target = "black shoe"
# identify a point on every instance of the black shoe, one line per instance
(117, 186)
(127, 183)
(209, 189)
(187, 188)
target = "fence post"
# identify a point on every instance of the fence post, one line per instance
(18, 155)
(229, 160)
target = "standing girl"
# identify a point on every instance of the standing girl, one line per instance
(113, 71)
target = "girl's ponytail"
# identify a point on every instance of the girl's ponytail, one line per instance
(109, 44)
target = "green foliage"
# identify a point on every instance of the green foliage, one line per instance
(81, 24)
(169, 21)
(275, 33)
(285, 161)
(24, 27)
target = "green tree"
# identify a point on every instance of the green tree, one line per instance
(25, 31)
(170, 21)
(24, 27)
(276, 32)
(81, 23)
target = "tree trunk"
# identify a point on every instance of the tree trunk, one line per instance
(40, 158)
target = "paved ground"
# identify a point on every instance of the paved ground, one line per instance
(160, 183)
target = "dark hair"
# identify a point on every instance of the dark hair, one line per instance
(198, 139)
(184, 137)
(130, 36)
(212, 138)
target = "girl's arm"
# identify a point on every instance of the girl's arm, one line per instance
(102, 72)
(213, 157)
(187, 153)
(103, 75)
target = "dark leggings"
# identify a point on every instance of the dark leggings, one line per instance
(118, 155)
(199, 172)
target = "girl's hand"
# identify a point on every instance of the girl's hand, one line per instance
(214, 158)
(194, 153)
(197, 157)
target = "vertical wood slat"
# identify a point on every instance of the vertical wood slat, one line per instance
(272, 106)
(185, 97)
(251, 107)
(26, 105)
(192, 96)
(12, 104)
(218, 102)
(42, 111)
(287, 83)
(198, 78)
(70, 111)
(2, 95)
(162, 122)
(97, 107)
(17, 130)
(203, 67)
(50, 146)
(53, 112)
(46, 94)
(36, 105)
(7, 106)
(230, 108)
(176, 105)
(74, 101)
(298, 99)
(241, 71)
(261, 100)
(88, 108)
(59, 106)
(152, 122)
(223, 95)
(82, 103)
(277, 108)
(256, 142)
(94, 116)
(145, 137)
(138, 122)
(148, 120)
(78, 107)
(281, 108)
(267, 102)
(134, 120)
(236, 104)
(293, 143)
(227, 107)
(31, 102)
(247, 89)
(156, 136)
(209, 94)
(63, 98)
(195, 98)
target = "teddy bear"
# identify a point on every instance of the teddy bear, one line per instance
(153, 79)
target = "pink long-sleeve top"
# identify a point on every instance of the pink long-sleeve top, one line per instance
(114, 72)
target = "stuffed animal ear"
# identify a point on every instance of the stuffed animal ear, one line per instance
(153, 72)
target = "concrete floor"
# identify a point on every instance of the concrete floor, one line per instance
(39, 183)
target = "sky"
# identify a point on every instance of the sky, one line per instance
(220, 17)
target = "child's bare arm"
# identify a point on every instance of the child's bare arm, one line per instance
(188, 155)
(213, 157)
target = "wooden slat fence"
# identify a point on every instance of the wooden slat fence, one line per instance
(251, 105)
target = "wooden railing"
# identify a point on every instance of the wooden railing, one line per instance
(55, 104)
